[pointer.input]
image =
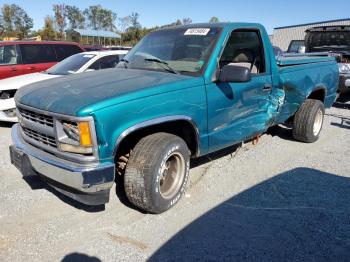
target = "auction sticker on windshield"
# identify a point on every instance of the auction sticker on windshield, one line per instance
(197, 31)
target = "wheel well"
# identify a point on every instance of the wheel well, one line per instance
(319, 94)
(182, 128)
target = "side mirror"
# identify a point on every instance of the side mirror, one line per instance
(236, 74)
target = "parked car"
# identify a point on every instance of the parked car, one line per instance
(296, 46)
(181, 93)
(78, 63)
(19, 58)
(336, 41)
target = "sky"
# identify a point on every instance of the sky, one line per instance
(159, 12)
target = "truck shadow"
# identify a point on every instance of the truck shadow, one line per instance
(299, 215)
(36, 183)
(79, 257)
(281, 131)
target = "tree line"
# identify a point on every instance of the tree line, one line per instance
(15, 22)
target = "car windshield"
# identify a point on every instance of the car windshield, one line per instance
(70, 65)
(178, 50)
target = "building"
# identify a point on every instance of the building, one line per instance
(282, 36)
(94, 37)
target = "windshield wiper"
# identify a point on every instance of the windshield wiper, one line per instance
(162, 62)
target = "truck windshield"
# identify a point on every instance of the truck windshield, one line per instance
(328, 41)
(178, 50)
(70, 65)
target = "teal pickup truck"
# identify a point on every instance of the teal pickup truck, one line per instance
(181, 93)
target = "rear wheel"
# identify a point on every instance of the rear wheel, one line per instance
(157, 172)
(308, 121)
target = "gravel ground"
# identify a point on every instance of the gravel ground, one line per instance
(278, 201)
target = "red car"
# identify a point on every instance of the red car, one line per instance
(19, 58)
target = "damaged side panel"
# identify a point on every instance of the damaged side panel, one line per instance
(239, 111)
(298, 82)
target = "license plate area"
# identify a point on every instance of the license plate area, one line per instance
(16, 157)
(21, 162)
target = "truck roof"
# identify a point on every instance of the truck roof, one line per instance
(210, 25)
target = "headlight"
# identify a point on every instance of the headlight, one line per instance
(344, 68)
(74, 137)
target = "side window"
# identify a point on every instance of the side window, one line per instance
(8, 55)
(64, 51)
(244, 48)
(105, 62)
(34, 54)
(95, 65)
(109, 61)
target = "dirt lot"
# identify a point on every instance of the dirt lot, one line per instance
(278, 201)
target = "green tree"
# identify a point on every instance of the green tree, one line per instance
(14, 21)
(134, 20)
(48, 32)
(92, 15)
(214, 19)
(75, 17)
(124, 23)
(100, 18)
(186, 21)
(60, 19)
(106, 19)
(178, 22)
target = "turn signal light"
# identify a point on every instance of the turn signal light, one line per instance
(85, 135)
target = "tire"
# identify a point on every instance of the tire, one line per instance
(157, 172)
(308, 121)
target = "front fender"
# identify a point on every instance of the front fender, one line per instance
(115, 122)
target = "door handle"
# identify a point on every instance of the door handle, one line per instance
(267, 87)
(13, 69)
(32, 68)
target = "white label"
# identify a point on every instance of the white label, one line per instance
(197, 31)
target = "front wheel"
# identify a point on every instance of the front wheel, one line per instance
(157, 172)
(308, 121)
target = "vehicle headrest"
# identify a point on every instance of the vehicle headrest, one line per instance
(243, 56)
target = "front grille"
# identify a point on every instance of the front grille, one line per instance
(36, 117)
(42, 138)
(37, 127)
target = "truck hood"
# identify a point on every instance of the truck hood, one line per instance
(16, 82)
(82, 93)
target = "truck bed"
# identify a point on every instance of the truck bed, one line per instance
(297, 59)
(300, 74)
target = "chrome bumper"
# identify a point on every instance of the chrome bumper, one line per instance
(89, 184)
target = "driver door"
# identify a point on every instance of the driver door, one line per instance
(238, 111)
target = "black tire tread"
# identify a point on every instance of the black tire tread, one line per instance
(304, 120)
(142, 160)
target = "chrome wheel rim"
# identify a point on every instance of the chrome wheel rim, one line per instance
(172, 174)
(318, 122)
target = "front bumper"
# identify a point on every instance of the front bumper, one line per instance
(88, 184)
(344, 83)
